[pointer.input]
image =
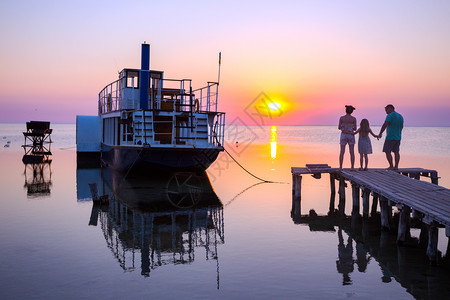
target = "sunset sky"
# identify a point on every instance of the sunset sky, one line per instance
(311, 57)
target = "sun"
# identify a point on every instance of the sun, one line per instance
(274, 106)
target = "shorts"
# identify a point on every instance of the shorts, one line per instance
(347, 138)
(391, 146)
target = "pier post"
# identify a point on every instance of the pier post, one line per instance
(434, 177)
(447, 253)
(416, 214)
(403, 224)
(332, 183)
(333, 192)
(365, 196)
(385, 211)
(423, 236)
(296, 196)
(374, 204)
(296, 186)
(355, 221)
(341, 205)
(432, 243)
(355, 196)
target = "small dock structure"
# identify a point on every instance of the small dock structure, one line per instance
(37, 142)
(423, 201)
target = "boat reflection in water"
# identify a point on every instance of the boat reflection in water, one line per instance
(158, 220)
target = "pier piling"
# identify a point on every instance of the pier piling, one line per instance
(432, 243)
(365, 196)
(355, 196)
(341, 205)
(403, 224)
(296, 196)
(385, 212)
(332, 183)
(420, 203)
(333, 192)
(375, 198)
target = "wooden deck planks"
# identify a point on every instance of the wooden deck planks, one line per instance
(429, 199)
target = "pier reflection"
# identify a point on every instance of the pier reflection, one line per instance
(157, 220)
(361, 242)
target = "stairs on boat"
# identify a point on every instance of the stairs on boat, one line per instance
(152, 127)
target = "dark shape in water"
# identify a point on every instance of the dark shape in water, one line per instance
(37, 142)
(164, 216)
(408, 266)
(38, 179)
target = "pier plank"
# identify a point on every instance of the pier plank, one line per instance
(430, 199)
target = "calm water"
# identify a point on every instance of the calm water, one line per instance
(239, 242)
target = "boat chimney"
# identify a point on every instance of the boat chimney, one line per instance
(144, 78)
(145, 57)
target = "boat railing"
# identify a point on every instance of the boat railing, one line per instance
(167, 94)
(171, 94)
(216, 133)
(207, 97)
(110, 98)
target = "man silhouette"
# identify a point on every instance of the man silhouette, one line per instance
(394, 126)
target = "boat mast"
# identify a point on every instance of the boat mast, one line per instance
(218, 76)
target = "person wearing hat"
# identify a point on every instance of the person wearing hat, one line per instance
(347, 125)
(394, 126)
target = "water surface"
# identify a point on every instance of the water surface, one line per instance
(237, 239)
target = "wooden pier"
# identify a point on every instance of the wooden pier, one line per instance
(425, 201)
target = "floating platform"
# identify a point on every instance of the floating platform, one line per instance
(427, 202)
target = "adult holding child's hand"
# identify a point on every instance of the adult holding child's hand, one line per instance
(394, 126)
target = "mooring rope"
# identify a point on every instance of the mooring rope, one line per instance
(243, 168)
(241, 192)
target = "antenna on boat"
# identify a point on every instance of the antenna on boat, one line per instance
(220, 60)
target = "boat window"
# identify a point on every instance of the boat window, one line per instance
(132, 79)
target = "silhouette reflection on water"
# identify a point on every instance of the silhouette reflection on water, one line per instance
(157, 220)
(409, 266)
(38, 179)
(344, 264)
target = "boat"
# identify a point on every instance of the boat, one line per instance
(148, 121)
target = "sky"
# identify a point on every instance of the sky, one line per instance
(310, 57)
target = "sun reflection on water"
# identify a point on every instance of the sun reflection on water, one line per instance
(273, 142)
